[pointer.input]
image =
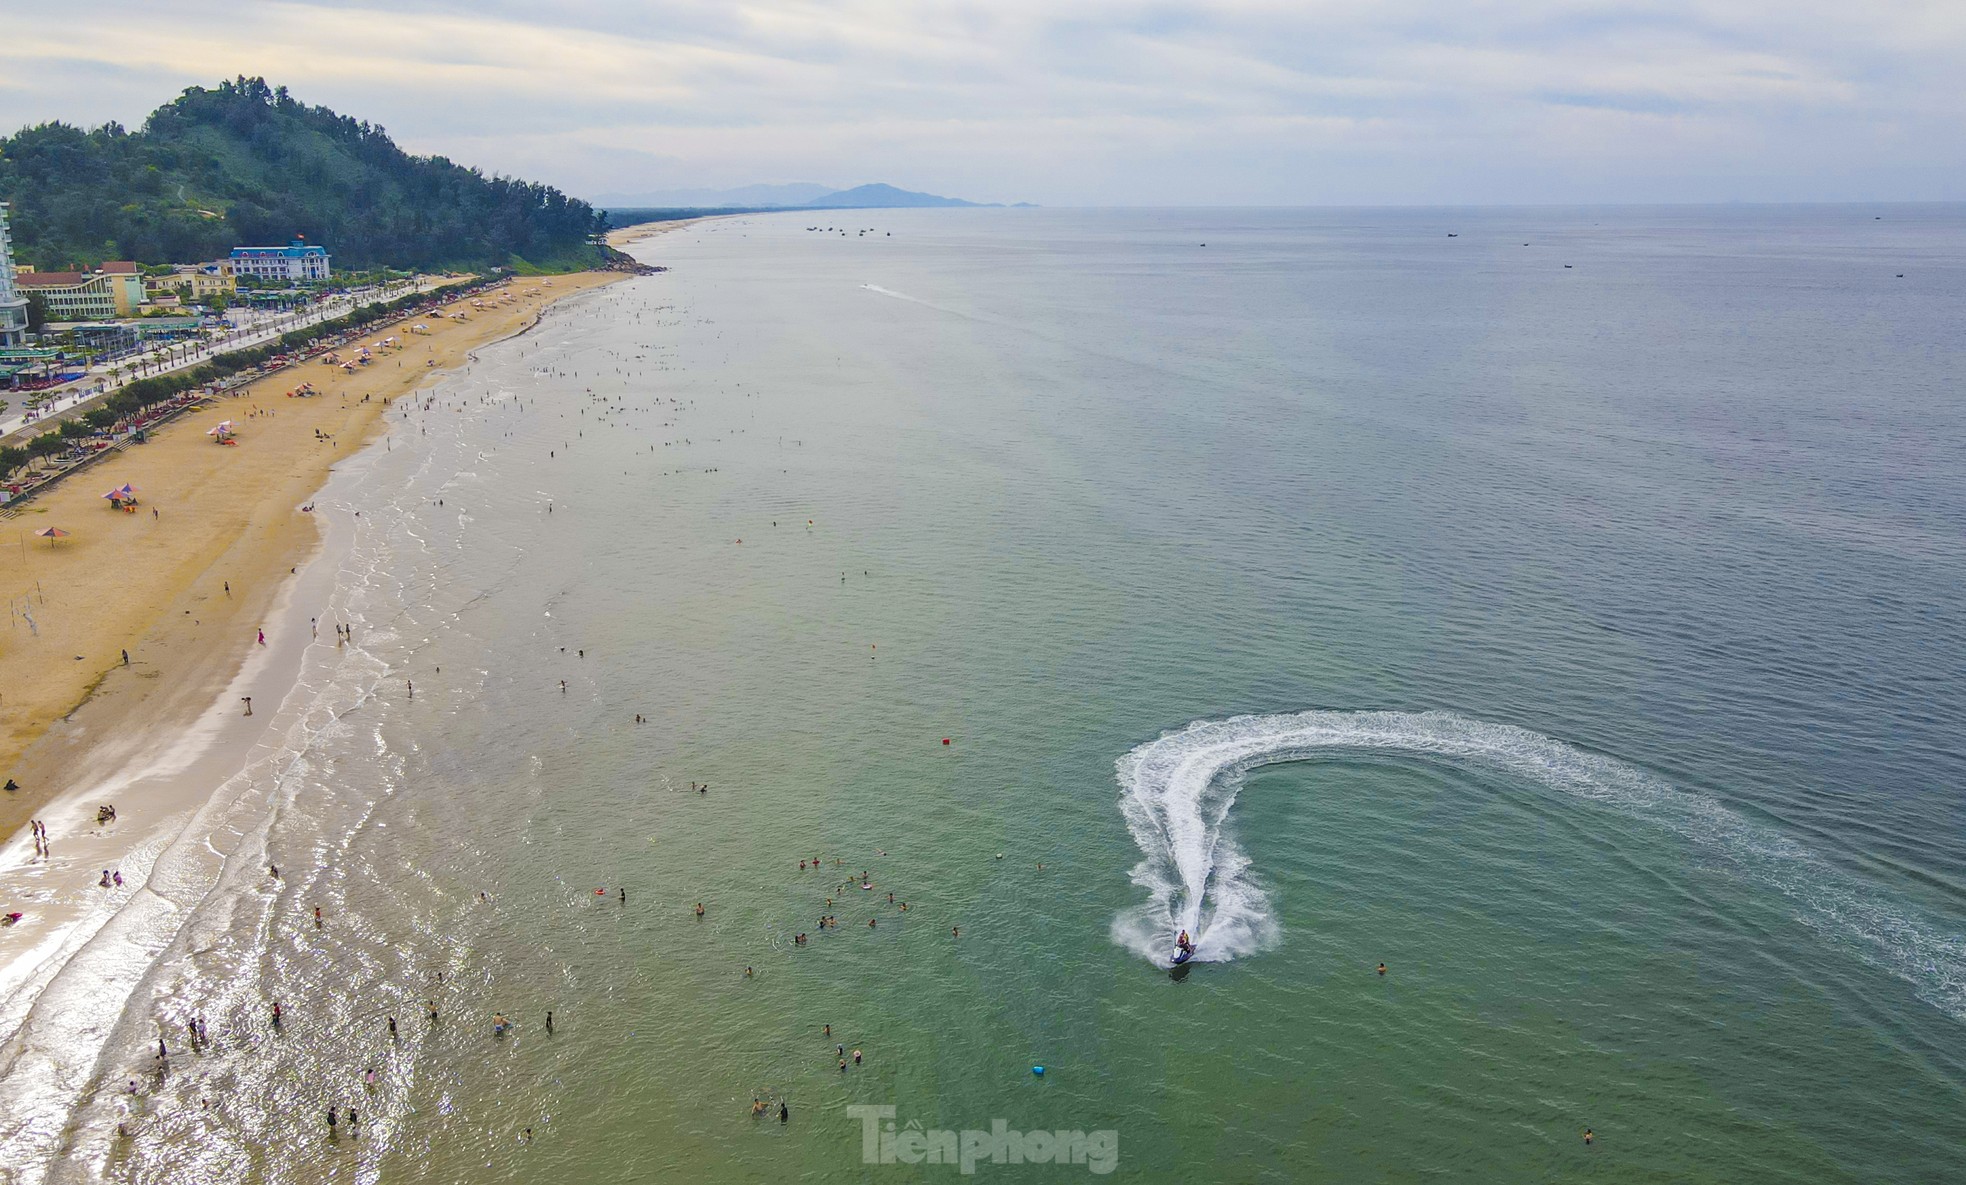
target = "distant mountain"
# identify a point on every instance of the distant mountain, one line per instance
(799, 196)
(797, 193)
(880, 197)
(245, 162)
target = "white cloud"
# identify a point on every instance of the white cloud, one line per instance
(1119, 101)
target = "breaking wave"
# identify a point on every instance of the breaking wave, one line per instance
(1176, 793)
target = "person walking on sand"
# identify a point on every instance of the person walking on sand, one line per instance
(249, 704)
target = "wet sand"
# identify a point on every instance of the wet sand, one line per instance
(154, 583)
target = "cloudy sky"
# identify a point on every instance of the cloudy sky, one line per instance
(1084, 102)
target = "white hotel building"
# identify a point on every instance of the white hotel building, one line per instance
(298, 260)
(13, 306)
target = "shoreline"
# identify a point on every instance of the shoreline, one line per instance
(221, 522)
(192, 644)
(165, 739)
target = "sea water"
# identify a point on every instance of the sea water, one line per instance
(1559, 607)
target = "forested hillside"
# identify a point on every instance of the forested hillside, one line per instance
(245, 163)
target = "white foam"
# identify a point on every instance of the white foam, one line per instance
(1176, 793)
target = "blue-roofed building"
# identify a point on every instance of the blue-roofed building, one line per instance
(298, 260)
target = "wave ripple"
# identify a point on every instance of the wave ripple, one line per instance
(1176, 793)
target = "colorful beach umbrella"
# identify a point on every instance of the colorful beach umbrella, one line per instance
(51, 534)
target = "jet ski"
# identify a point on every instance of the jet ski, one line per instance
(1184, 949)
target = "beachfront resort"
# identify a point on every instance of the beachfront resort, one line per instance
(58, 325)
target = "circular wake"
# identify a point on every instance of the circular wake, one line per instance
(1176, 793)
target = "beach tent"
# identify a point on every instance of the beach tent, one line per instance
(51, 534)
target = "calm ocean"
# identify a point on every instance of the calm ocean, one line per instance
(1587, 582)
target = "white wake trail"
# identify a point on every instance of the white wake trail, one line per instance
(1176, 793)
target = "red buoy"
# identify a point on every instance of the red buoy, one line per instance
(945, 740)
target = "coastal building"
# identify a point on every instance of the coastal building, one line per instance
(126, 286)
(194, 281)
(298, 260)
(13, 306)
(70, 296)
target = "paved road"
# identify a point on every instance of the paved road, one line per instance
(263, 328)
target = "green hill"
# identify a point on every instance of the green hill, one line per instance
(245, 163)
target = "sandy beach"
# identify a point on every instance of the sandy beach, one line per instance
(184, 584)
(620, 237)
(210, 588)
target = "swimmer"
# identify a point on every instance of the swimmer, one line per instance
(1382, 968)
(699, 909)
(1589, 1137)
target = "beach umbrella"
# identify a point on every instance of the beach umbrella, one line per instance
(51, 534)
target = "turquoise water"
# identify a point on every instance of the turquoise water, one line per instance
(1623, 595)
